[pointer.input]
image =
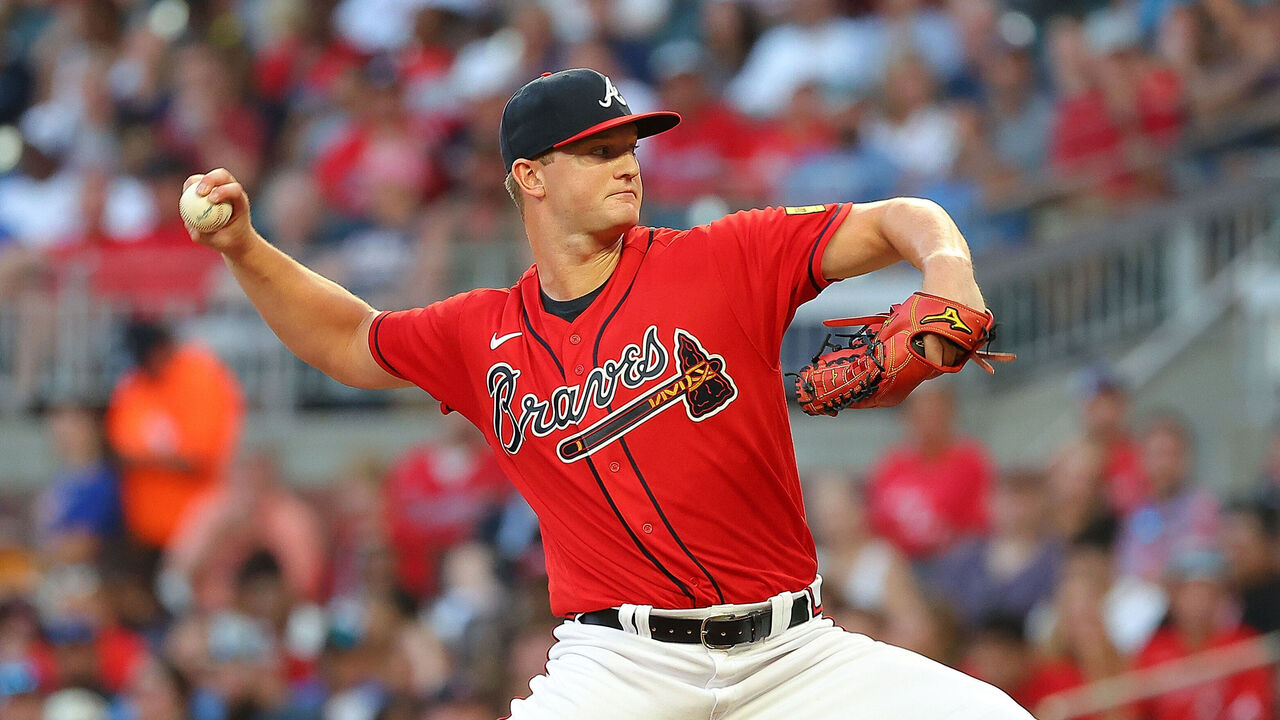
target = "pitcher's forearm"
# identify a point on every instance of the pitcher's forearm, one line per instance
(316, 318)
(319, 320)
(926, 236)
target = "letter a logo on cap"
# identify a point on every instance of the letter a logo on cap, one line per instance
(611, 92)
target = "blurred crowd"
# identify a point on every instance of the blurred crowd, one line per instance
(169, 570)
(1112, 555)
(365, 130)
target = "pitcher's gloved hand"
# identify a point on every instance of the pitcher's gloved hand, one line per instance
(882, 363)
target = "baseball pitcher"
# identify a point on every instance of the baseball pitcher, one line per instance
(629, 384)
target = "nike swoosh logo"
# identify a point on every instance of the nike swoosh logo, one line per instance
(495, 341)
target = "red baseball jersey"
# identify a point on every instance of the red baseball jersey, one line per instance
(650, 434)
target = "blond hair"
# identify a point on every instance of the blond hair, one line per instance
(513, 188)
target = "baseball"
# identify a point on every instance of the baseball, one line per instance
(200, 214)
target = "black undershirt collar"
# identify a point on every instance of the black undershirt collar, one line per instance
(569, 310)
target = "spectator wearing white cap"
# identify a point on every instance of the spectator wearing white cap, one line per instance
(74, 704)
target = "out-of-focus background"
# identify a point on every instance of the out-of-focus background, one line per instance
(194, 525)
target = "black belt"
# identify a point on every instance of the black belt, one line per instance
(718, 632)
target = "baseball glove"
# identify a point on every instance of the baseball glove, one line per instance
(882, 363)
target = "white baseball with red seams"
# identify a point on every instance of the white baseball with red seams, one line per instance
(201, 215)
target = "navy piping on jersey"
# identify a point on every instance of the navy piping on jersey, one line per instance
(635, 539)
(817, 242)
(656, 506)
(604, 490)
(377, 323)
(595, 359)
(529, 326)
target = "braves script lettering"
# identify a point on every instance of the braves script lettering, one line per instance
(568, 404)
(700, 382)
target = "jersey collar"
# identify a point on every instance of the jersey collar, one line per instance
(634, 245)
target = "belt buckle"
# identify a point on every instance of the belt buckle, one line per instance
(702, 631)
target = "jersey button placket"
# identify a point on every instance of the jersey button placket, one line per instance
(579, 370)
(574, 339)
(614, 466)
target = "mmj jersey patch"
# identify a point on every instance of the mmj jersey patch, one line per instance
(700, 383)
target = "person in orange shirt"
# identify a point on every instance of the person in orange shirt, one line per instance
(173, 422)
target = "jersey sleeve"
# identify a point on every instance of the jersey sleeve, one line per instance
(770, 262)
(422, 346)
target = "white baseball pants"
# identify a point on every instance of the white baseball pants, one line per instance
(813, 670)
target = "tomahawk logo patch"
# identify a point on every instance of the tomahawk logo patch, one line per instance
(699, 384)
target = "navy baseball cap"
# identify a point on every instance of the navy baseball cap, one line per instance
(558, 108)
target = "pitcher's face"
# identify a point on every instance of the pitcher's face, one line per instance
(594, 183)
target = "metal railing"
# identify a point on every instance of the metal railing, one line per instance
(1113, 286)
(1137, 685)
(68, 343)
(1104, 289)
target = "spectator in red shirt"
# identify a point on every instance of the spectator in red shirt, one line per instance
(1080, 647)
(932, 488)
(85, 645)
(1117, 109)
(1145, 93)
(714, 140)
(305, 63)
(207, 123)
(1199, 621)
(361, 563)
(159, 269)
(1000, 654)
(436, 496)
(427, 59)
(803, 131)
(384, 151)
(1084, 137)
(1107, 423)
(225, 527)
